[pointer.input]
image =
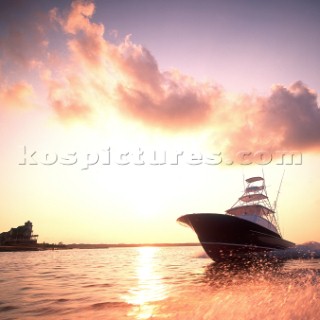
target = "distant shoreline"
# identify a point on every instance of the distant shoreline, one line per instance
(127, 245)
(41, 247)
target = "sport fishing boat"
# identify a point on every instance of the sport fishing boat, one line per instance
(248, 228)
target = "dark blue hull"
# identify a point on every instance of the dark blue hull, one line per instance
(225, 237)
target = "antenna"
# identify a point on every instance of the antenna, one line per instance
(276, 202)
(264, 182)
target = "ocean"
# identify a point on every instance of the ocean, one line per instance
(157, 283)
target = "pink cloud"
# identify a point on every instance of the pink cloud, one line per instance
(97, 76)
(289, 118)
(173, 104)
(87, 43)
(295, 111)
(138, 64)
(129, 76)
(77, 19)
(19, 95)
(67, 100)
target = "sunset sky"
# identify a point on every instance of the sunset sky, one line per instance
(91, 91)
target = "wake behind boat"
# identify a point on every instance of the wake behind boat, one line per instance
(247, 228)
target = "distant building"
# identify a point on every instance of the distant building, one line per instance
(22, 235)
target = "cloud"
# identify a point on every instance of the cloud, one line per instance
(295, 111)
(91, 77)
(19, 95)
(174, 104)
(68, 100)
(77, 19)
(289, 118)
(87, 44)
(124, 75)
(138, 64)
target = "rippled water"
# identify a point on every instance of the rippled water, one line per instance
(157, 283)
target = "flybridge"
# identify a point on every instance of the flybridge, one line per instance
(254, 205)
(254, 193)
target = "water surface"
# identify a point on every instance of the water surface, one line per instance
(154, 283)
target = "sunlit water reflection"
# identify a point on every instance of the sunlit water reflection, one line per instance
(154, 283)
(150, 287)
